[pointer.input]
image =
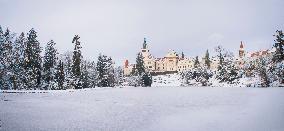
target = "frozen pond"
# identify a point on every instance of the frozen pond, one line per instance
(145, 109)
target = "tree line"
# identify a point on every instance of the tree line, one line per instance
(23, 67)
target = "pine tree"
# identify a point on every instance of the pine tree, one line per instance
(6, 59)
(85, 75)
(221, 71)
(2, 65)
(207, 60)
(144, 78)
(105, 76)
(60, 75)
(67, 63)
(32, 63)
(196, 62)
(91, 68)
(118, 73)
(76, 63)
(226, 72)
(49, 65)
(139, 68)
(261, 69)
(279, 46)
(7, 75)
(147, 79)
(18, 70)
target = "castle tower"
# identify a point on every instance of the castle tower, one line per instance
(241, 51)
(145, 44)
(145, 50)
(126, 64)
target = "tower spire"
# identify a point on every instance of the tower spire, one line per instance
(144, 43)
(241, 46)
(241, 51)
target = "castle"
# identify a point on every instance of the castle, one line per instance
(172, 62)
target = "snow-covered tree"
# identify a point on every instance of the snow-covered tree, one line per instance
(92, 74)
(262, 71)
(18, 70)
(105, 71)
(76, 63)
(139, 68)
(2, 73)
(85, 76)
(197, 76)
(66, 59)
(278, 55)
(60, 76)
(207, 61)
(49, 66)
(145, 78)
(6, 59)
(118, 75)
(32, 62)
(226, 72)
(196, 62)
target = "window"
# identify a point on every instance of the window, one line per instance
(150, 66)
(143, 50)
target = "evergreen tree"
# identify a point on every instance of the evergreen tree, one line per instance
(6, 59)
(85, 75)
(196, 62)
(147, 79)
(49, 65)
(139, 68)
(76, 63)
(221, 71)
(279, 46)
(60, 75)
(118, 73)
(67, 63)
(226, 72)
(18, 61)
(207, 60)
(2, 63)
(261, 69)
(32, 63)
(91, 68)
(105, 72)
(144, 78)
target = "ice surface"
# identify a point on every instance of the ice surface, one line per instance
(145, 109)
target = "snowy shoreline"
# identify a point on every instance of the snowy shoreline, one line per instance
(101, 88)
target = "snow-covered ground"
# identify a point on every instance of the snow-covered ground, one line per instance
(145, 109)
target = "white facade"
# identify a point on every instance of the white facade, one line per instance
(170, 63)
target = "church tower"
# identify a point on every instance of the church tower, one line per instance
(145, 50)
(241, 51)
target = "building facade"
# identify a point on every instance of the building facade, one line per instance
(170, 63)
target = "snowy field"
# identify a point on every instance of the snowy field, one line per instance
(145, 109)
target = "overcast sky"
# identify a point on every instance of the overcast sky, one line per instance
(117, 27)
